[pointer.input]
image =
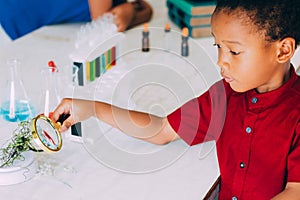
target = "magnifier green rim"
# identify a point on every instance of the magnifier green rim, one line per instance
(36, 138)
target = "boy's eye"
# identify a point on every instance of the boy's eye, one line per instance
(217, 45)
(234, 53)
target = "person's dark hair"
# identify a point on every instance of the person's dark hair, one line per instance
(277, 19)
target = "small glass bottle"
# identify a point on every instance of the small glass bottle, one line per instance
(184, 42)
(167, 35)
(145, 39)
(15, 104)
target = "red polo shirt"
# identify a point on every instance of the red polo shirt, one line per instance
(258, 136)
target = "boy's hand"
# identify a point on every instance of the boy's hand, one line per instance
(64, 108)
(77, 109)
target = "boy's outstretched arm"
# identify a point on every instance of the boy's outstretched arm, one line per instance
(140, 125)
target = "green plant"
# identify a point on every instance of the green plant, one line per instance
(20, 142)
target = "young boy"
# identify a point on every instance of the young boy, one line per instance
(18, 17)
(253, 113)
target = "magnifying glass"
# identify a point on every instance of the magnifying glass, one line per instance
(45, 134)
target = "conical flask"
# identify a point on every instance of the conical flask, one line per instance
(50, 97)
(15, 104)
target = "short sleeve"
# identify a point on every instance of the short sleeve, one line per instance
(185, 121)
(201, 119)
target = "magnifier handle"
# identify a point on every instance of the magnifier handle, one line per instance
(62, 118)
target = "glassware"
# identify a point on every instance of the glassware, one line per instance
(50, 95)
(15, 104)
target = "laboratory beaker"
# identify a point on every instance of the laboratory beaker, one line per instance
(15, 104)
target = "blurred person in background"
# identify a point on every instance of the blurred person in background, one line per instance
(18, 17)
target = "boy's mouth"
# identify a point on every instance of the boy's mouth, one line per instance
(227, 78)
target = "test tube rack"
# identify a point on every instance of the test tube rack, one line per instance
(96, 62)
(95, 49)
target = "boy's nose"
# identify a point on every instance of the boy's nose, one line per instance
(222, 60)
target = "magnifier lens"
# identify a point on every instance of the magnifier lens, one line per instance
(45, 134)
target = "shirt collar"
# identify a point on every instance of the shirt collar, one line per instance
(258, 101)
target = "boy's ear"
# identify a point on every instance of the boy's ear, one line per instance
(286, 49)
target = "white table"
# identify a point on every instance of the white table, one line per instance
(109, 164)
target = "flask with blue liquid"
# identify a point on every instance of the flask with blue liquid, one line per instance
(15, 104)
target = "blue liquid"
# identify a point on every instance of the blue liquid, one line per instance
(23, 111)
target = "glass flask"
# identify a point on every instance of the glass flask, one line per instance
(50, 95)
(15, 104)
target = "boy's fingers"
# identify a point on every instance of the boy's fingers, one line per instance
(65, 126)
(62, 109)
(57, 113)
(63, 129)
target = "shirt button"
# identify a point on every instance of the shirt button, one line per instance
(254, 100)
(248, 129)
(242, 165)
(234, 198)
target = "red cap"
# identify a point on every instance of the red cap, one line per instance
(52, 66)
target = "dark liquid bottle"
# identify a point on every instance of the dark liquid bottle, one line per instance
(184, 43)
(145, 39)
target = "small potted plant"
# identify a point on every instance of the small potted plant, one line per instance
(19, 143)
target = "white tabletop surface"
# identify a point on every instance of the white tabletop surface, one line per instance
(108, 164)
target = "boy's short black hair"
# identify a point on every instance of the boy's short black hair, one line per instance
(277, 19)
